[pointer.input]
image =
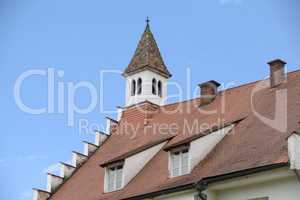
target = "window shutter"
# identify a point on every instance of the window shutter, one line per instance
(119, 173)
(184, 162)
(111, 178)
(176, 164)
(114, 178)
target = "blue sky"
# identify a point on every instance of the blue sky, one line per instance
(226, 40)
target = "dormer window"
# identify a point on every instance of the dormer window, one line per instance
(179, 161)
(113, 177)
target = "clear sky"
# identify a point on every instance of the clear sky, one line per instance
(226, 40)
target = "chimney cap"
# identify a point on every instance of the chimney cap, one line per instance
(276, 61)
(209, 83)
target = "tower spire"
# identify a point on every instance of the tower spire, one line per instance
(147, 55)
(146, 75)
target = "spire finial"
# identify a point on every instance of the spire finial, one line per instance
(147, 20)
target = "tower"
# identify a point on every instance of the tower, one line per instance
(146, 75)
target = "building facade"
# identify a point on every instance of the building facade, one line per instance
(241, 143)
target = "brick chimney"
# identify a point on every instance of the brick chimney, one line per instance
(208, 91)
(277, 75)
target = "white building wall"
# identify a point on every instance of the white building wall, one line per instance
(146, 77)
(283, 189)
(184, 195)
(294, 151)
(279, 184)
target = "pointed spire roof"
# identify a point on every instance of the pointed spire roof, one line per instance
(147, 56)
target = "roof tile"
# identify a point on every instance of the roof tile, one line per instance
(251, 144)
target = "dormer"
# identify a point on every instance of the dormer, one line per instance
(184, 156)
(121, 170)
(179, 161)
(146, 75)
(114, 178)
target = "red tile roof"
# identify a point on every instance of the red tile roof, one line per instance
(251, 143)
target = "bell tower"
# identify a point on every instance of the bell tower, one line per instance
(146, 75)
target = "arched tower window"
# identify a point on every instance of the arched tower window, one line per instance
(139, 86)
(133, 88)
(154, 86)
(159, 88)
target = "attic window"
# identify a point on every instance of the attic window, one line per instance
(179, 161)
(113, 177)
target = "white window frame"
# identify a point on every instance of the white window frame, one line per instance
(106, 177)
(179, 149)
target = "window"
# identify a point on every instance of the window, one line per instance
(159, 88)
(154, 86)
(179, 162)
(114, 177)
(133, 87)
(139, 86)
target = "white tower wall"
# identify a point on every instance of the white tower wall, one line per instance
(147, 77)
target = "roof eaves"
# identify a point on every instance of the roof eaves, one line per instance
(135, 151)
(165, 73)
(241, 173)
(111, 119)
(41, 190)
(142, 103)
(208, 180)
(162, 192)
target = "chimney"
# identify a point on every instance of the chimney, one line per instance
(208, 91)
(277, 75)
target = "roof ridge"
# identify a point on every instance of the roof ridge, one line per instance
(236, 87)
